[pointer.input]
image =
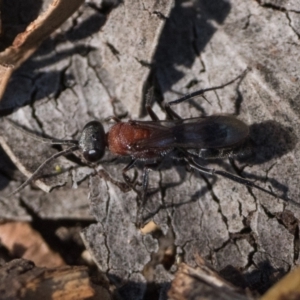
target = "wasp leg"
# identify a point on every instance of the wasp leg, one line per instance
(132, 184)
(145, 184)
(142, 194)
(141, 206)
(149, 99)
(171, 113)
(190, 159)
(128, 181)
(151, 113)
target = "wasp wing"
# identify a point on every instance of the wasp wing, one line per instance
(216, 131)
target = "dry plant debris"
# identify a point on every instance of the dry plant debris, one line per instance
(20, 279)
(21, 240)
(26, 43)
(287, 288)
(202, 283)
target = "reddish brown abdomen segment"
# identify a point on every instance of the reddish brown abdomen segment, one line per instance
(123, 136)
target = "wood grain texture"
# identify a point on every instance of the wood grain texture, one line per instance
(20, 279)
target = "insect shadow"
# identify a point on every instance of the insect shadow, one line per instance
(269, 140)
(193, 141)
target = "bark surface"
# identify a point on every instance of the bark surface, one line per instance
(102, 64)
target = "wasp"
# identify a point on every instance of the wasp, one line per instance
(150, 141)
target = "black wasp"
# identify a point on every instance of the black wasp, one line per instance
(150, 141)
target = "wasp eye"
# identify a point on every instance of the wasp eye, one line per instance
(92, 141)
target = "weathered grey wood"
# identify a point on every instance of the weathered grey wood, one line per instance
(203, 44)
(87, 79)
(230, 225)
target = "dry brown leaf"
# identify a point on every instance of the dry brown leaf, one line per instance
(23, 241)
(288, 288)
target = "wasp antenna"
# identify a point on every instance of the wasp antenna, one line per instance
(202, 91)
(38, 170)
(40, 138)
